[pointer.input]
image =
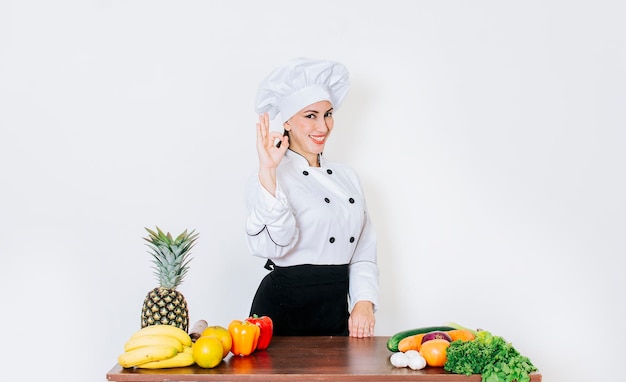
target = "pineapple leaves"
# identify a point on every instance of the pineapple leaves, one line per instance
(170, 257)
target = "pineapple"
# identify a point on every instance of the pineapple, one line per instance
(164, 305)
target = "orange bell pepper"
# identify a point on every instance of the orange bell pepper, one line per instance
(245, 337)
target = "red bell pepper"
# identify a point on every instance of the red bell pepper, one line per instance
(266, 326)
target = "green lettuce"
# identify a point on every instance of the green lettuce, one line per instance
(491, 356)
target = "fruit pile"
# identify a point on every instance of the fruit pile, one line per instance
(163, 340)
(167, 346)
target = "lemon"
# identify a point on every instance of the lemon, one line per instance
(207, 351)
(222, 334)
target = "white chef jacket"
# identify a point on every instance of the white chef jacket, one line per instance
(318, 216)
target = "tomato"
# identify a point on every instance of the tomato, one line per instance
(434, 352)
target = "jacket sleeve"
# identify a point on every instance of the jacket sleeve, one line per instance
(270, 225)
(364, 275)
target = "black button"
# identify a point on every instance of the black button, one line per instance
(305, 172)
(351, 200)
(352, 239)
(329, 171)
(332, 240)
(327, 200)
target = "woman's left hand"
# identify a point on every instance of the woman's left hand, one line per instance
(362, 320)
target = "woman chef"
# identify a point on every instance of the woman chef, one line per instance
(308, 215)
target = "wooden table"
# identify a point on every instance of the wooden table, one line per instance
(303, 359)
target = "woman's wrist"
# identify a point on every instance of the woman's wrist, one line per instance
(267, 177)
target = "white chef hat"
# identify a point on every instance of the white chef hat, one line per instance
(299, 83)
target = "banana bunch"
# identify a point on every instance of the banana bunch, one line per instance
(157, 347)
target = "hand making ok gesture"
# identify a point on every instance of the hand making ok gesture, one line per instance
(270, 153)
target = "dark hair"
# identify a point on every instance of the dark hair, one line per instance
(285, 134)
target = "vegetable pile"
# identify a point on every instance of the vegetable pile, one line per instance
(460, 350)
(489, 355)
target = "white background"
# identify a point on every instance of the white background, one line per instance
(489, 137)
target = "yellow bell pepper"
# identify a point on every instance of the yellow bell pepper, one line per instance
(245, 337)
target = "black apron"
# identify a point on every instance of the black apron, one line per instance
(304, 300)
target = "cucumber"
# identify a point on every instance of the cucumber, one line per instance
(393, 341)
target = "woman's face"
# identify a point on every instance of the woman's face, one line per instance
(309, 129)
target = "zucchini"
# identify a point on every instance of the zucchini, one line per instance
(393, 341)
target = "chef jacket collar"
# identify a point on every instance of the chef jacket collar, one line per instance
(301, 160)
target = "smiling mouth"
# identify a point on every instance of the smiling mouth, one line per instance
(318, 140)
